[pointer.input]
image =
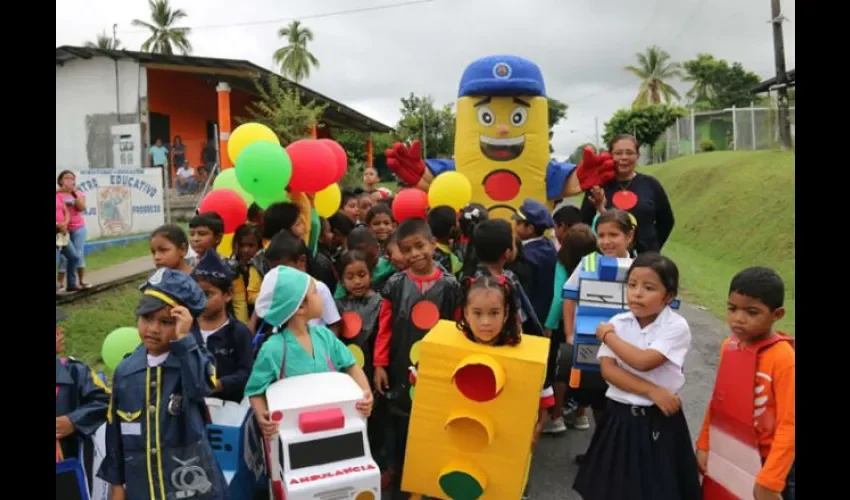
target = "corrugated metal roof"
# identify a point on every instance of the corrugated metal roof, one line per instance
(765, 85)
(340, 112)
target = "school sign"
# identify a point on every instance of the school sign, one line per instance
(122, 202)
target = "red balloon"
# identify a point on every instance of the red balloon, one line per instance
(341, 157)
(408, 203)
(229, 205)
(313, 166)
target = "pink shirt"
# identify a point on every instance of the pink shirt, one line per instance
(60, 214)
(77, 221)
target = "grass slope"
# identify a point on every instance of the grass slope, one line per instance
(733, 210)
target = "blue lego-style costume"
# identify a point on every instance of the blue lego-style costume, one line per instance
(524, 78)
(156, 433)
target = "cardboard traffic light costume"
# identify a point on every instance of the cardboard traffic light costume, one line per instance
(473, 416)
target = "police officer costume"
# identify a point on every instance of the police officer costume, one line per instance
(156, 434)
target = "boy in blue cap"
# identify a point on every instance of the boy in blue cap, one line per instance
(225, 337)
(156, 440)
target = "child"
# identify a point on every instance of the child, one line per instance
(278, 217)
(322, 266)
(255, 215)
(490, 317)
(168, 248)
(762, 362)
(565, 218)
(614, 235)
(247, 241)
(341, 226)
(379, 220)
(350, 206)
(362, 239)
(370, 180)
(393, 253)
(289, 301)
(443, 223)
(225, 337)
(469, 218)
(364, 204)
(577, 242)
(157, 416)
(81, 400)
(399, 325)
(532, 222)
(287, 250)
(205, 233)
(641, 450)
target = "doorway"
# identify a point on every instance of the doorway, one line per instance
(160, 126)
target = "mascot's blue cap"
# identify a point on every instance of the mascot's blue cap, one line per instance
(502, 76)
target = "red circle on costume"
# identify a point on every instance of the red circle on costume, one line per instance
(624, 200)
(502, 185)
(277, 416)
(352, 323)
(476, 382)
(425, 315)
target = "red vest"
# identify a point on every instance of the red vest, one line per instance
(734, 459)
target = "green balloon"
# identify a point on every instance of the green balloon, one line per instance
(227, 180)
(117, 344)
(264, 202)
(264, 169)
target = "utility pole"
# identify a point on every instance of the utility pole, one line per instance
(596, 126)
(114, 37)
(781, 76)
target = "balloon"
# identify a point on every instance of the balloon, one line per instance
(341, 157)
(228, 205)
(246, 134)
(119, 343)
(327, 200)
(278, 198)
(264, 169)
(410, 202)
(313, 165)
(227, 180)
(450, 188)
(225, 248)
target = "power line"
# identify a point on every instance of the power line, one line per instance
(294, 18)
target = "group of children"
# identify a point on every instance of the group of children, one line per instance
(228, 326)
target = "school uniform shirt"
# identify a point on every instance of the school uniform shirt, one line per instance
(230, 345)
(156, 440)
(774, 416)
(330, 314)
(669, 334)
(241, 309)
(542, 258)
(81, 396)
(328, 351)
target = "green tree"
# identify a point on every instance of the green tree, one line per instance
(439, 125)
(715, 84)
(294, 59)
(282, 109)
(165, 36)
(557, 112)
(578, 153)
(654, 70)
(354, 143)
(104, 42)
(646, 124)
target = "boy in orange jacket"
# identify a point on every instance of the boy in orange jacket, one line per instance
(753, 400)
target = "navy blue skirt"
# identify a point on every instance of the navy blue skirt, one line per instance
(637, 453)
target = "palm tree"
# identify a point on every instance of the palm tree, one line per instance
(294, 58)
(653, 69)
(104, 42)
(164, 35)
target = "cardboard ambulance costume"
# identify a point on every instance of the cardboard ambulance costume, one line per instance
(473, 417)
(322, 449)
(734, 460)
(502, 142)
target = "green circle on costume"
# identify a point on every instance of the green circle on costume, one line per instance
(412, 391)
(460, 486)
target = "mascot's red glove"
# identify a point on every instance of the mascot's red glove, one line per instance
(406, 162)
(594, 170)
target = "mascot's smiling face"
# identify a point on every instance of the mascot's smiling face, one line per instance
(502, 147)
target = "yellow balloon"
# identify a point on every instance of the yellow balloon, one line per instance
(327, 200)
(246, 134)
(450, 188)
(225, 248)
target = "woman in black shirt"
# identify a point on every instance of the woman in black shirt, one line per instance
(640, 194)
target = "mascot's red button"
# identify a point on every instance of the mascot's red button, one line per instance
(502, 185)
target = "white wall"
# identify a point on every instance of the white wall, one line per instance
(86, 87)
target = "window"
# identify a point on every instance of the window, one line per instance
(326, 450)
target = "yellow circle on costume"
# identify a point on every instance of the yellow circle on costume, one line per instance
(414, 351)
(246, 134)
(225, 248)
(365, 495)
(327, 200)
(468, 432)
(634, 221)
(358, 354)
(450, 188)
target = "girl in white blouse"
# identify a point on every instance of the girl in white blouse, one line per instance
(641, 449)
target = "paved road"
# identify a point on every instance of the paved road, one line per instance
(554, 469)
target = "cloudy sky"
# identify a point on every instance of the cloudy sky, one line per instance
(371, 58)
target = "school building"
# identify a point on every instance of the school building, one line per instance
(111, 105)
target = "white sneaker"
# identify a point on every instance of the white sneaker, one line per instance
(581, 423)
(556, 426)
